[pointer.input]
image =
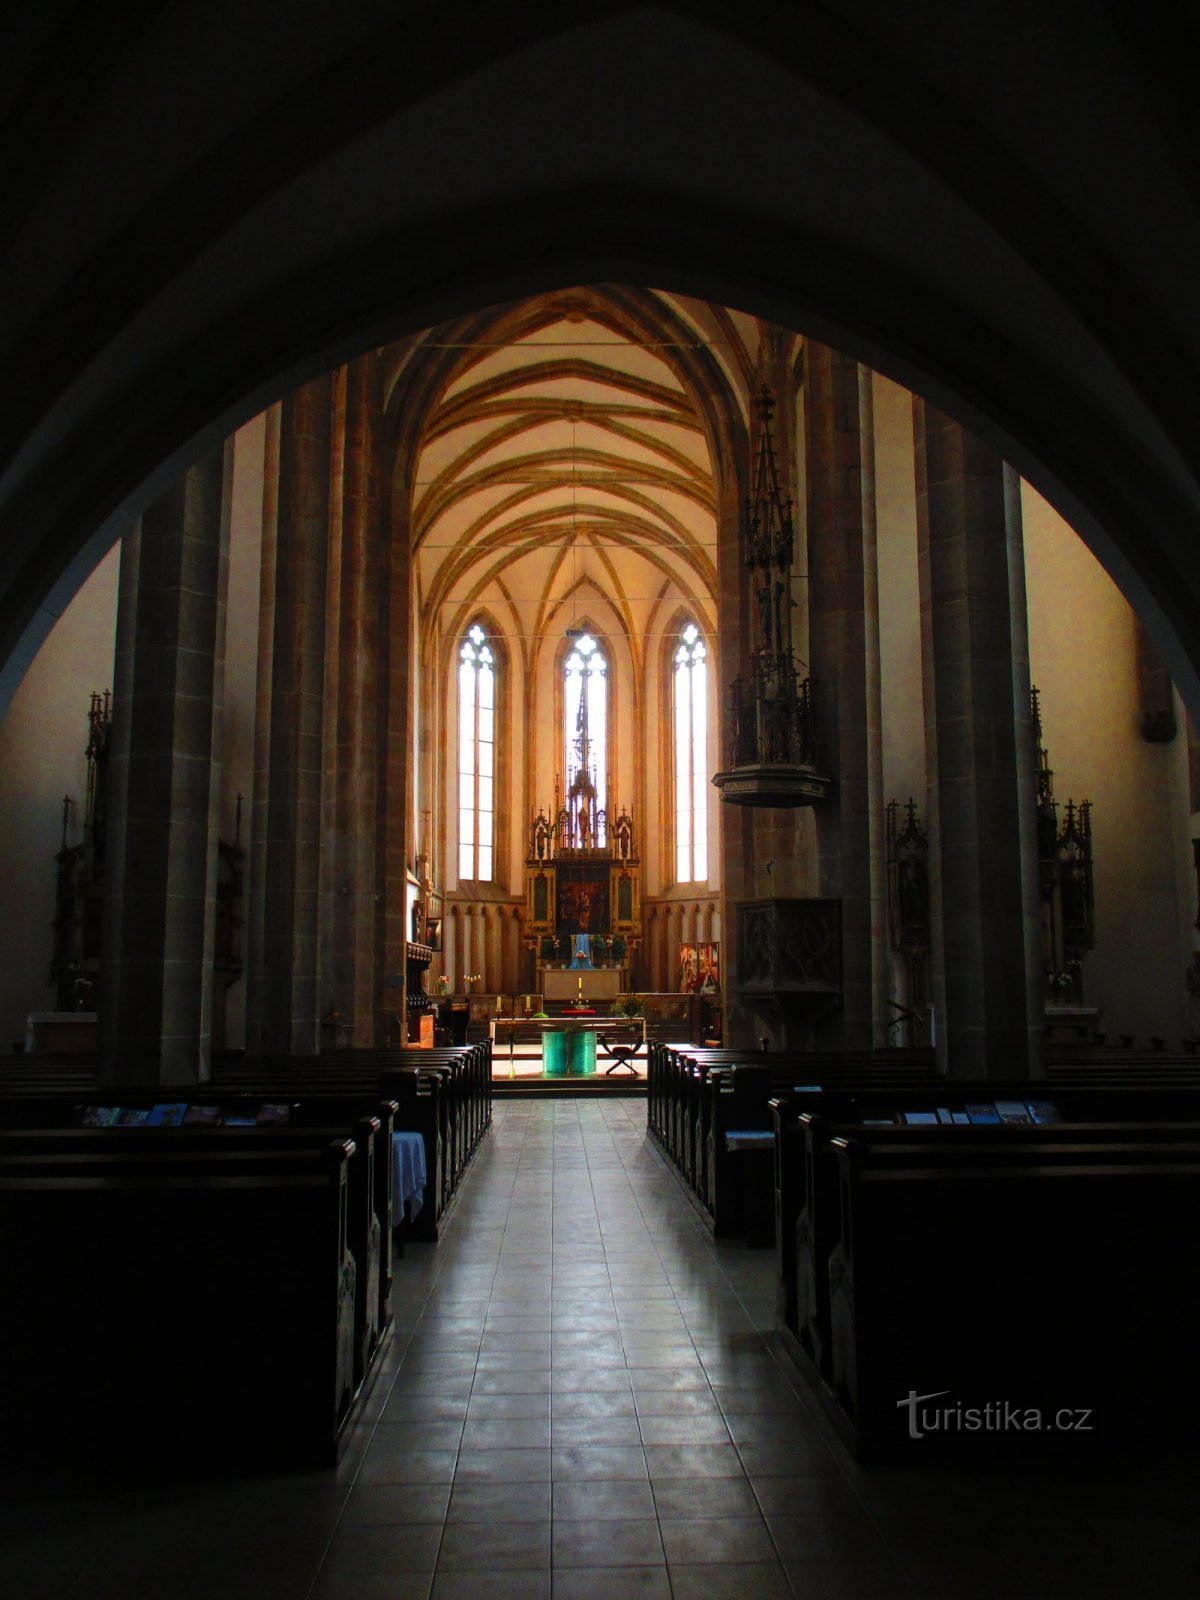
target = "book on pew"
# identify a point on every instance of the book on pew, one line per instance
(985, 1115)
(131, 1117)
(1044, 1112)
(960, 1119)
(98, 1116)
(239, 1119)
(272, 1115)
(879, 1122)
(920, 1119)
(168, 1114)
(201, 1116)
(1013, 1113)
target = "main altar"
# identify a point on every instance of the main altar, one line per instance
(582, 889)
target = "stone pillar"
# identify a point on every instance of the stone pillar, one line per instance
(979, 752)
(283, 948)
(165, 785)
(844, 645)
(349, 980)
(770, 852)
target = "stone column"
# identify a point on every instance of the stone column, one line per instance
(349, 980)
(282, 1001)
(979, 751)
(767, 853)
(844, 645)
(165, 785)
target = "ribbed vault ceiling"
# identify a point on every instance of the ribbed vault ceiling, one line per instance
(564, 471)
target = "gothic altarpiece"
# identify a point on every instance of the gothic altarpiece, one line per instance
(582, 888)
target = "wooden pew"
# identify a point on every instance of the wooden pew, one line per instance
(444, 1094)
(118, 1150)
(202, 1308)
(738, 1099)
(818, 1222)
(805, 1230)
(1047, 1277)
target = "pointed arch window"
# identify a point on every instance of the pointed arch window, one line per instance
(476, 755)
(585, 735)
(689, 687)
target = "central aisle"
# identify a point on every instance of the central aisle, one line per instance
(587, 1406)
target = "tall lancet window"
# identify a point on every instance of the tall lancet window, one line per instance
(690, 691)
(585, 729)
(476, 755)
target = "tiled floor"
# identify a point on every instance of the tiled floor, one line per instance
(584, 1401)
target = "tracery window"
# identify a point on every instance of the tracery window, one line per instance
(690, 723)
(476, 755)
(585, 732)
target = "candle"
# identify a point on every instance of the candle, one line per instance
(526, 1005)
(498, 999)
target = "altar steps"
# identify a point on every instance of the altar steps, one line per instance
(579, 1088)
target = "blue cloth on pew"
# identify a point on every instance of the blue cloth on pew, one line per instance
(408, 1175)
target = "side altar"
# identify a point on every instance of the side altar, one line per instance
(582, 887)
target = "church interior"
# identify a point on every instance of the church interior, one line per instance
(653, 706)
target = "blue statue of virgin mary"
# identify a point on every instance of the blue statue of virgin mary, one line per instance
(581, 950)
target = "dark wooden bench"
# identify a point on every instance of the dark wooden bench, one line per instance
(201, 1307)
(444, 1094)
(1054, 1274)
(369, 1225)
(806, 1228)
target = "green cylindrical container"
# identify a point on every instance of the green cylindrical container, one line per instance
(582, 1052)
(555, 1059)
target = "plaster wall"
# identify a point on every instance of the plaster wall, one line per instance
(42, 741)
(1082, 659)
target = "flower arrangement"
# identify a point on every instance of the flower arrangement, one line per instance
(1060, 983)
(443, 984)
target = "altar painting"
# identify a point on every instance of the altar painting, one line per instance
(582, 901)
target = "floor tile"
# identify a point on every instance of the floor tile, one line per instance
(726, 1539)
(700, 1498)
(503, 1466)
(507, 1433)
(596, 1430)
(611, 1583)
(397, 1503)
(499, 1502)
(683, 1430)
(693, 1461)
(732, 1581)
(604, 1500)
(418, 1466)
(579, 1462)
(486, 1547)
(526, 1585)
(366, 1547)
(632, 1542)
